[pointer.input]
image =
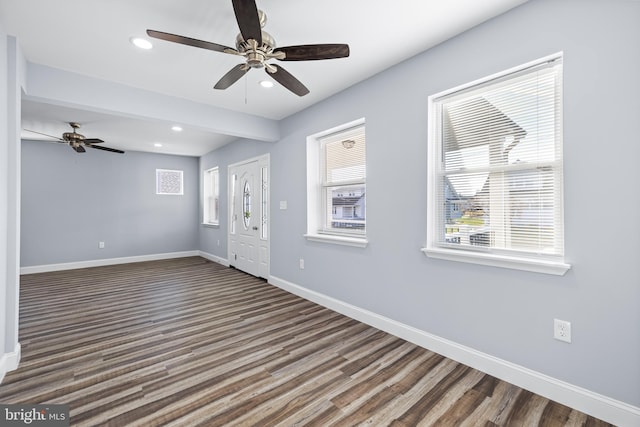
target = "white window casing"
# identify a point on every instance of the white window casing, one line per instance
(495, 175)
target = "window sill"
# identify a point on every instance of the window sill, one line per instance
(358, 242)
(210, 224)
(527, 264)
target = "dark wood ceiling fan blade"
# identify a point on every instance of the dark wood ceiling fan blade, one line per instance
(79, 149)
(92, 141)
(287, 80)
(312, 52)
(248, 19)
(44, 134)
(232, 76)
(112, 150)
(187, 41)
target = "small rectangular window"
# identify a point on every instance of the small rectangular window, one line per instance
(211, 197)
(169, 182)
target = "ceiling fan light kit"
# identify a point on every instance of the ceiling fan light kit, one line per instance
(257, 47)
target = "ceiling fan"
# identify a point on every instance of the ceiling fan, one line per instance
(77, 141)
(257, 47)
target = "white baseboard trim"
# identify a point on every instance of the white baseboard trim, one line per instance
(594, 404)
(108, 261)
(214, 258)
(10, 361)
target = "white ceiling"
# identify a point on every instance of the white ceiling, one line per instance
(91, 37)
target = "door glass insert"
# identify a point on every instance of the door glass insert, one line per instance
(234, 215)
(246, 204)
(264, 205)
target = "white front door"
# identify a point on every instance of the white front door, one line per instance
(248, 217)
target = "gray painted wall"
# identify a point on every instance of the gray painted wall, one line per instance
(72, 201)
(505, 313)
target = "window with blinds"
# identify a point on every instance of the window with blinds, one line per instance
(211, 197)
(343, 182)
(496, 159)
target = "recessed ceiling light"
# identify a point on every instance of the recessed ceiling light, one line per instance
(266, 83)
(176, 128)
(141, 43)
(157, 144)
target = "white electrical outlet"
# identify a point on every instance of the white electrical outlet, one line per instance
(562, 330)
(100, 245)
(301, 264)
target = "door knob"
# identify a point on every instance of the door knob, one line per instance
(255, 227)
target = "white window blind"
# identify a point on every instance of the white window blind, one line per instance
(344, 181)
(498, 178)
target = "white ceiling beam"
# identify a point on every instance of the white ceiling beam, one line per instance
(59, 87)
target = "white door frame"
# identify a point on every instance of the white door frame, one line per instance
(263, 207)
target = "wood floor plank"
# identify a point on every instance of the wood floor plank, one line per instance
(188, 342)
(461, 410)
(450, 408)
(422, 407)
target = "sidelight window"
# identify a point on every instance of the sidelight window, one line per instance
(211, 197)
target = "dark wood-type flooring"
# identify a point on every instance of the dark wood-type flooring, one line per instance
(190, 342)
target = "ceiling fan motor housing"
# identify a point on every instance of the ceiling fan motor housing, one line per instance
(72, 137)
(256, 55)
